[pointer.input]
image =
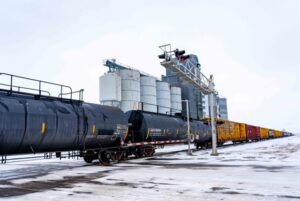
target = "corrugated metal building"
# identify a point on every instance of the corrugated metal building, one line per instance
(188, 92)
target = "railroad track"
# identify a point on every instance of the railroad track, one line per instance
(75, 154)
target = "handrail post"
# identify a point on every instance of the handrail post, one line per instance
(11, 83)
(40, 85)
(61, 89)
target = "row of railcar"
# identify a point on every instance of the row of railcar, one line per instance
(35, 123)
(241, 132)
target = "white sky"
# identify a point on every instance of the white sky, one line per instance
(251, 47)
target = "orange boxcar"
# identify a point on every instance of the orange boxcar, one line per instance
(264, 133)
(225, 132)
(231, 131)
(277, 133)
(243, 134)
(236, 132)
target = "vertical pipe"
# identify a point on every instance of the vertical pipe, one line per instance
(188, 126)
(212, 117)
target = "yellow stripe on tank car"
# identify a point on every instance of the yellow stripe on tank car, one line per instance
(148, 133)
(177, 131)
(43, 129)
(126, 133)
(94, 129)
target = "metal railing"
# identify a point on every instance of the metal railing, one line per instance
(64, 90)
(186, 70)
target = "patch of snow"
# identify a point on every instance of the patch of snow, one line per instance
(266, 170)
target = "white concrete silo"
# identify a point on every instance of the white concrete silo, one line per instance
(110, 89)
(176, 101)
(148, 94)
(163, 97)
(130, 82)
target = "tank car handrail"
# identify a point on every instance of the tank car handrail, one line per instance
(39, 81)
(169, 113)
(80, 92)
(19, 87)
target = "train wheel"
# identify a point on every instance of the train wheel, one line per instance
(88, 159)
(116, 156)
(138, 153)
(149, 151)
(104, 158)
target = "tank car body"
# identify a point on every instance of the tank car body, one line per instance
(28, 125)
(201, 132)
(147, 126)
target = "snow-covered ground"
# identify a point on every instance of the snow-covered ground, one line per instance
(267, 170)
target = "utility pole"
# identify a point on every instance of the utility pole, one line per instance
(188, 126)
(214, 151)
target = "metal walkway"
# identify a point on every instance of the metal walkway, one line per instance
(187, 71)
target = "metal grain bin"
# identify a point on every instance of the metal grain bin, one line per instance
(163, 97)
(148, 94)
(130, 82)
(176, 101)
(110, 89)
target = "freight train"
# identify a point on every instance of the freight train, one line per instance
(235, 132)
(36, 122)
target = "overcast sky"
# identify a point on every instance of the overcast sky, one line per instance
(251, 47)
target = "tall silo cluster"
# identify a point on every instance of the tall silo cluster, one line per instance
(130, 90)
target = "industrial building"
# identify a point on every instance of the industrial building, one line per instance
(221, 107)
(130, 89)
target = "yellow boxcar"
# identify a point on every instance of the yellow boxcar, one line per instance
(243, 134)
(277, 133)
(236, 132)
(223, 132)
(264, 133)
(228, 131)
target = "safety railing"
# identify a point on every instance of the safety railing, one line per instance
(65, 92)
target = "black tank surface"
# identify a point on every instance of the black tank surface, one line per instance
(201, 131)
(147, 126)
(30, 126)
(106, 126)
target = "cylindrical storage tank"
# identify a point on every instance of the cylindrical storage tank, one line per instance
(130, 82)
(176, 102)
(110, 89)
(163, 97)
(148, 94)
(201, 132)
(155, 127)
